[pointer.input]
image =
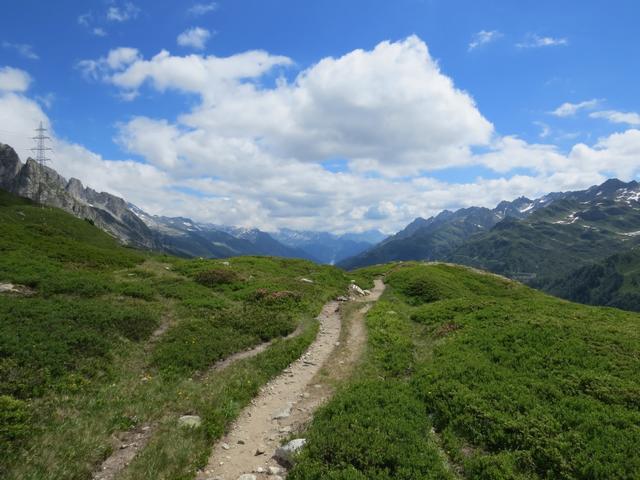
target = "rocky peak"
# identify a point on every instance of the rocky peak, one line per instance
(10, 165)
(44, 185)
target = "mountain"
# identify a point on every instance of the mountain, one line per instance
(187, 238)
(129, 224)
(613, 282)
(576, 229)
(326, 247)
(437, 237)
(44, 185)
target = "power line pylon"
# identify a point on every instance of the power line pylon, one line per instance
(40, 151)
(41, 148)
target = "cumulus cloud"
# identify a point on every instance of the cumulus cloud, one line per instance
(382, 109)
(23, 49)
(14, 79)
(569, 109)
(630, 118)
(199, 9)
(536, 41)
(195, 37)
(484, 37)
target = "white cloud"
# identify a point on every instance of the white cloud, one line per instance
(202, 8)
(630, 118)
(195, 37)
(536, 41)
(568, 109)
(85, 19)
(484, 37)
(382, 108)
(122, 13)
(253, 150)
(23, 49)
(545, 130)
(14, 79)
(116, 59)
(99, 32)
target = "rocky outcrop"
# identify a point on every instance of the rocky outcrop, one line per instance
(44, 185)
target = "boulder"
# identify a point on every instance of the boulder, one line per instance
(189, 421)
(286, 453)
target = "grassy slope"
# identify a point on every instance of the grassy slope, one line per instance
(78, 362)
(614, 282)
(516, 385)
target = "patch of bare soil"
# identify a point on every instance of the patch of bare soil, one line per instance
(125, 447)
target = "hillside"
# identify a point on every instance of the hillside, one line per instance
(613, 282)
(472, 376)
(99, 341)
(578, 229)
(437, 237)
(105, 349)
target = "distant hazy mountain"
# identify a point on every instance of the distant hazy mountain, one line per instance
(437, 237)
(186, 237)
(327, 247)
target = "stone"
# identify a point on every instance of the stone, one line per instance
(306, 280)
(247, 476)
(274, 470)
(225, 446)
(284, 413)
(356, 289)
(261, 450)
(189, 421)
(286, 453)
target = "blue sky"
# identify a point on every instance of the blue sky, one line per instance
(518, 62)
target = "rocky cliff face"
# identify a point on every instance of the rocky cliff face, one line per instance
(44, 185)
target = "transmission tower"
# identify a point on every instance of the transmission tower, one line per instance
(40, 151)
(41, 148)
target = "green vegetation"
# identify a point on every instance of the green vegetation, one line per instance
(613, 282)
(101, 339)
(514, 383)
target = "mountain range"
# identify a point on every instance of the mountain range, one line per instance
(580, 245)
(176, 235)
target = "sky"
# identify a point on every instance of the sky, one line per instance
(332, 115)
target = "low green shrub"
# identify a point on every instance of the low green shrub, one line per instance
(217, 276)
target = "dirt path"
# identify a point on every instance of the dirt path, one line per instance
(287, 403)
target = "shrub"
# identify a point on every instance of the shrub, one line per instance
(14, 422)
(216, 276)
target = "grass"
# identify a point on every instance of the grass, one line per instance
(514, 383)
(79, 360)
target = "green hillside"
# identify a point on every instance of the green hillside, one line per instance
(614, 282)
(519, 248)
(469, 375)
(97, 339)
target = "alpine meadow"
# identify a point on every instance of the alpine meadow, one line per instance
(338, 240)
